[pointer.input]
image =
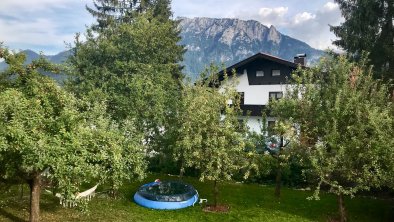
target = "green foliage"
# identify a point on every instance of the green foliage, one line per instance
(113, 12)
(368, 26)
(45, 128)
(346, 123)
(211, 138)
(134, 67)
(131, 61)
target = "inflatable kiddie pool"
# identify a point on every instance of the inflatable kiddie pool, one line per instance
(166, 195)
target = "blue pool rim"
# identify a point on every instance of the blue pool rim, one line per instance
(161, 205)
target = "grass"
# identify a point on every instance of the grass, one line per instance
(248, 202)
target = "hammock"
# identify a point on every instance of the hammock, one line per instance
(86, 195)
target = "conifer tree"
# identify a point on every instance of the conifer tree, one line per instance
(110, 12)
(368, 26)
(133, 66)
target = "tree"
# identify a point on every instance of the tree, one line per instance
(135, 67)
(111, 12)
(45, 128)
(368, 26)
(211, 137)
(284, 134)
(275, 144)
(346, 123)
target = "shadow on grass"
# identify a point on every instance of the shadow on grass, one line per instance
(10, 216)
(49, 203)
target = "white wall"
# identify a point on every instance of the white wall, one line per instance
(256, 94)
(254, 122)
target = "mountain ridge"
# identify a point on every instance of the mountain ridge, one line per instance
(31, 55)
(223, 41)
(227, 41)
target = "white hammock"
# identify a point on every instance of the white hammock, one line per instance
(86, 195)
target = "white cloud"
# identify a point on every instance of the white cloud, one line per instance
(329, 6)
(310, 26)
(41, 24)
(315, 28)
(46, 24)
(273, 12)
(32, 32)
(11, 6)
(303, 17)
(269, 16)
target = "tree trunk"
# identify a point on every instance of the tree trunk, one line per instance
(341, 208)
(161, 160)
(278, 180)
(35, 189)
(21, 197)
(215, 193)
(182, 170)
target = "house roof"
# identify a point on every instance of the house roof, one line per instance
(259, 55)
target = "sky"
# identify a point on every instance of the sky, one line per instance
(50, 25)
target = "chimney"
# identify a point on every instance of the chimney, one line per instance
(300, 59)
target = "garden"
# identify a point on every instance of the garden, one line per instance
(126, 116)
(247, 202)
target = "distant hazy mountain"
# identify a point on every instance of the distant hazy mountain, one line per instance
(231, 40)
(224, 41)
(31, 55)
(57, 59)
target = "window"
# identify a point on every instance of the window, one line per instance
(259, 73)
(275, 72)
(275, 95)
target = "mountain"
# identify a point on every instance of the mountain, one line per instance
(228, 41)
(60, 57)
(223, 41)
(56, 59)
(31, 55)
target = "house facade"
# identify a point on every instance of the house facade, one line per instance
(260, 78)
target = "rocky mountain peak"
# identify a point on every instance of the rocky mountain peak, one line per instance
(227, 41)
(274, 35)
(225, 29)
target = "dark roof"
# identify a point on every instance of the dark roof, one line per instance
(259, 55)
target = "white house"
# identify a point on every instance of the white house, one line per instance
(261, 77)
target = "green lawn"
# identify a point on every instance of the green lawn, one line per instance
(248, 202)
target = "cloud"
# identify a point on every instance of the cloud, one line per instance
(17, 32)
(315, 28)
(46, 24)
(303, 17)
(269, 16)
(329, 6)
(308, 26)
(273, 12)
(14, 6)
(41, 25)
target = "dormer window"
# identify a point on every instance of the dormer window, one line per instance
(259, 73)
(276, 72)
